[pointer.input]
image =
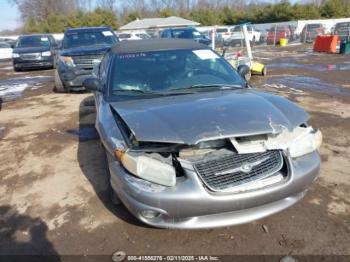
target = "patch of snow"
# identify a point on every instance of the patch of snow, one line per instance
(12, 91)
(5, 53)
(7, 68)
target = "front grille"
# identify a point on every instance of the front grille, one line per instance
(87, 60)
(31, 56)
(224, 172)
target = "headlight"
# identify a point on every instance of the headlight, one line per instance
(47, 53)
(67, 60)
(148, 168)
(15, 55)
(305, 143)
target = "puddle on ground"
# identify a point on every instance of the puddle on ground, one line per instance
(84, 133)
(312, 67)
(299, 83)
(11, 89)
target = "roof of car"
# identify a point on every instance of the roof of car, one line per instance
(159, 44)
(36, 35)
(88, 28)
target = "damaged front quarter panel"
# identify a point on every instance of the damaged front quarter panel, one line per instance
(109, 132)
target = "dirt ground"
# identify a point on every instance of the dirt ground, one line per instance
(53, 196)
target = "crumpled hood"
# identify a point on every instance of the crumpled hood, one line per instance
(192, 118)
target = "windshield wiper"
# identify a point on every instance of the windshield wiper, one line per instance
(134, 91)
(199, 86)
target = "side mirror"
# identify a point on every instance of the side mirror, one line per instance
(93, 84)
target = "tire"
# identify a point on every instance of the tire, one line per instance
(54, 63)
(111, 194)
(16, 69)
(248, 76)
(59, 87)
(244, 71)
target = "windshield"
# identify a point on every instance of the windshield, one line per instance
(186, 33)
(278, 29)
(33, 41)
(237, 29)
(163, 72)
(87, 38)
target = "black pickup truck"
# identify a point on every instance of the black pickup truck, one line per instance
(81, 50)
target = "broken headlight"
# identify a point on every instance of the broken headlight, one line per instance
(67, 60)
(305, 143)
(299, 142)
(148, 168)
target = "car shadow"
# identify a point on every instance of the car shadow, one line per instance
(23, 238)
(92, 161)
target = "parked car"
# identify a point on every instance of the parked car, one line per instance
(276, 33)
(190, 145)
(34, 52)
(81, 50)
(186, 33)
(10, 41)
(237, 36)
(5, 51)
(133, 36)
(224, 32)
(342, 30)
(310, 32)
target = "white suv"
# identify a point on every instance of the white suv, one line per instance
(237, 36)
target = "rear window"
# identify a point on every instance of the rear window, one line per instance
(342, 25)
(278, 29)
(311, 26)
(125, 35)
(222, 30)
(143, 36)
(237, 29)
(88, 37)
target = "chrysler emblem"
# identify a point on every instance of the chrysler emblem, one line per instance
(244, 168)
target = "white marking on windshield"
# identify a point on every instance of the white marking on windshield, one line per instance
(205, 54)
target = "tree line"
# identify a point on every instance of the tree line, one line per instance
(46, 16)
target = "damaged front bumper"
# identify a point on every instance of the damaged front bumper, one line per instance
(189, 205)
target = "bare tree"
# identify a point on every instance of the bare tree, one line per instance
(108, 4)
(41, 9)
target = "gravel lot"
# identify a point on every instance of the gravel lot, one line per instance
(53, 196)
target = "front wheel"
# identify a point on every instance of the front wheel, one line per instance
(244, 72)
(59, 86)
(111, 194)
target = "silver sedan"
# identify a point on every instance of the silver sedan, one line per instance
(190, 144)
